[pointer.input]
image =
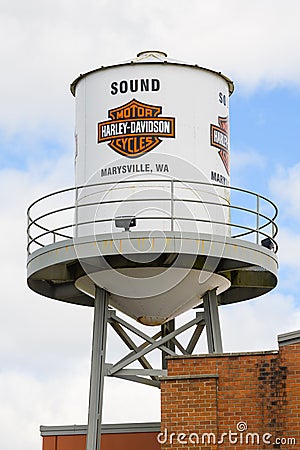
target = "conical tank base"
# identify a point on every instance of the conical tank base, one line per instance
(153, 295)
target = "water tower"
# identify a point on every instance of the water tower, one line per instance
(153, 227)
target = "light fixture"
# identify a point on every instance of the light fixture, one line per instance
(125, 222)
(268, 243)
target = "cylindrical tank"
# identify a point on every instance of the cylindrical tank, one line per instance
(152, 119)
(152, 151)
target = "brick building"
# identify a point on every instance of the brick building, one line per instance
(233, 400)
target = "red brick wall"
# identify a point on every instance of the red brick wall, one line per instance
(219, 393)
(290, 357)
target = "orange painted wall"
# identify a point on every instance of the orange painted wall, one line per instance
(120, 441)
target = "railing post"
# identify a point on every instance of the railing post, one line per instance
(172, 205)
(28, 234)
(76, 211)
(273, 229)
(257, 218)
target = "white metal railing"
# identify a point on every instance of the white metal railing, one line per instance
(57, 216)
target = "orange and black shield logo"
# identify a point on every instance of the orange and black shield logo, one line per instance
(219, 137)
(135, 128)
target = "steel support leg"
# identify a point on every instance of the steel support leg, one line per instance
(166, 329)
(97, 370)
(211, 316)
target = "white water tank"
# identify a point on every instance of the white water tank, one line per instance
(152, 118)
(152, 144)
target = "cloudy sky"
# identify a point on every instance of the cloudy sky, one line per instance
(45, 345)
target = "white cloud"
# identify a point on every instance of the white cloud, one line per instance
(142, 402)
(285, 187)
(44, 50)
(245, 159)
(289, 262)
(26, 402)
(289, 248)
(35, 326)
(254, 325)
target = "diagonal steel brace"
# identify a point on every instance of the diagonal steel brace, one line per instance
(154, 344)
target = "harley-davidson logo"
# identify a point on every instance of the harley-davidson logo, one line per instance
(219, 137)
(135, 128)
